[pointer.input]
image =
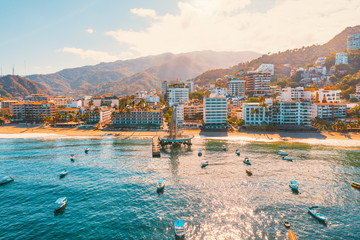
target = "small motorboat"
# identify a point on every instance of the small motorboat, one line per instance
(200, 152)
(355, 185)
(72, 157)
(87, 150)
(292, 235)
(316, 214)
(282, 153)
(287, 159)
(204, 164)
(179, 229)
(60, 204)
(237, 152)
(248, 171)
(6, 179)
(63, 173)
(160, 185)
(224, 148)
(286, 224)
(247, 161)
(294, 186)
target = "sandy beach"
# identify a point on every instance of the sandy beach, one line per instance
(323, 138)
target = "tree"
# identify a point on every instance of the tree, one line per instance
(353, 100)
(91, 103)
(240, 122)
(168, 114)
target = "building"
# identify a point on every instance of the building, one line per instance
(110, 101)
(60, 101)
(177, 93)
(190, 85)
(37, 98)
(152, 99)
(164, 87)
(32, 111)
(353, 42)
(255, 115)
(320, 61)
(138, 119)
(215, 111)
(291, 113)
(92, 102)
(179, 114)
(74, 104)
(99, 115)
(219, 91)
(341, 58)
(289, 94)
(7, 103)
(258, 83)
(193, 112)
(266, 68)
(327, 96)
(237, 87)
(358, 89)
(328, 110)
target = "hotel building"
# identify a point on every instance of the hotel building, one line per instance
(138, 119)
(32, 112)
(215, 111)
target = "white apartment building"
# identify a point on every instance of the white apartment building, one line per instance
(293, 113)
(289, 94)
(60, 101)
(237, 87)
(179, 114)
(353, 42)
(266, 68)
(328, 110)
(138, 119)
(328, 96)
(215, 110)
(219, 91)
(7, 103)
(341, 58)
(74, 104)
(177, 95)
(320, 61)
(100, 115)
(254, 114)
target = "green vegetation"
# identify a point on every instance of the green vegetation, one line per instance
(199, 95)
(168, 114)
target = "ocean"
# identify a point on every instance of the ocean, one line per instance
(111, 191)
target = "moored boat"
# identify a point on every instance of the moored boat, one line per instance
(204, 164)
(292, 235)
(72, 157)
(287, 159)
(60, 203)
(316, 214)
(224, 148)
(282, 153)
(237, 152)
(160, 185)
(6, 179)
(355, 185)
(294, 186)
(247, 161)
(87, 150)
(179, 229)
(287, 224)
(200, 152)
(248, 171)
(63, 173)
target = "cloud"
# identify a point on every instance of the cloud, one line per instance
(90, 30)
(90, 54)
(227, 25)
(144, 12)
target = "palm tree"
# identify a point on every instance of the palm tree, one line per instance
(91, 103)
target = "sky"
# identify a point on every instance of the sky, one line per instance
(41, 36)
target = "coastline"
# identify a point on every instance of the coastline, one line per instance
(318, 138)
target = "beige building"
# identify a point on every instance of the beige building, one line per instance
(32, 112)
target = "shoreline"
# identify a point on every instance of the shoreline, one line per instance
(313, 138)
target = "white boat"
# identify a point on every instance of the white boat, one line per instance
(179, 229)
(160, 185)
(6, 179)
(204, 164)
(60, 203)
(87, 150)
(63, 173)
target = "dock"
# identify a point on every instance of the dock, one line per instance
(155, 147)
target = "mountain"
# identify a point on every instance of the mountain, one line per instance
(129, 76)
(16, 86)
(298, 57)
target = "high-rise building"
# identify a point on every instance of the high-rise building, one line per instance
(266, 68)
(32, 111)
(138, 119)
(254, 114)
(219, 91)
(177, 93)
(341, 58)
(258, 83)
(237, 87)
(215, 111)
(292, 113)
(328, 96)
(164, 87)
(354, 42)
(328, 110)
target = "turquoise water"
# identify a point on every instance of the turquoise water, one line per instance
(112, 190)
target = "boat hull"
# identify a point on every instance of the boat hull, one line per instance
(355, 185)
(318, 216)
(292, 235)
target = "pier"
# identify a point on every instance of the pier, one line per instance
(155, 147)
